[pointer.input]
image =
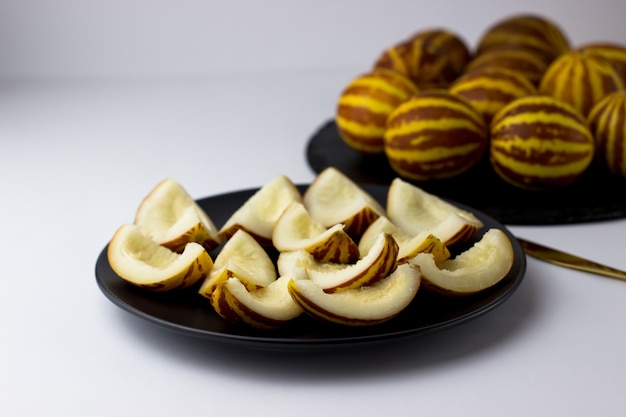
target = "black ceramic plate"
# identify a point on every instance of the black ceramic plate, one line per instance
(187, 312)
(596, 196)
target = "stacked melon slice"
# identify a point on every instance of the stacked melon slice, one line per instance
(341, 256)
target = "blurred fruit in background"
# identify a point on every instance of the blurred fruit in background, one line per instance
(540, 143)
(607, 121)
(435, 134)
(364, 105)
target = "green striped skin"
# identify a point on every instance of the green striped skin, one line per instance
(613, 52)
(607, 121)
(490, 89)
(521, 60)
(532, 32)
(540, 143)
(434, 135)
(431, 58)
(364, 105)
(581, 80)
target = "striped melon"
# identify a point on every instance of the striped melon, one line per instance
(437, 58)
(433, 135)
(364, 105)
(521, 60)
(607, 121)
(539, 143)
(395, 58)
(490, 89)
(581, 80)
(533, 32)
(431, 58)
(613, 52)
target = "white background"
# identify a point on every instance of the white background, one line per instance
(100, 100)
(153, 38)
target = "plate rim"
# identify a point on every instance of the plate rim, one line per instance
(258, 341)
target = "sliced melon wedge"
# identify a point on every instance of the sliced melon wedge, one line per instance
(333, 198)
(363, 306)
(258, 214)
(170, 217)
(141, 261)
(408, 246)
(295, 229)
(414, 210)
(379, 262)
(242, 256)
(265, 308)
(480, 267)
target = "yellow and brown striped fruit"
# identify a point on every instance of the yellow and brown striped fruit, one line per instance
(520, 60)
(437, 58)
(607, 121)
(431, 58)
(480, 267)
(334, 198)
(408, 246)
(540, 143)
(265, 308)
(297, 230)
(581, 80)
(395, 58)
(141, 261)
(532, 32)
(364, 306)
(170, 217)
(434, 135)
(414, 210)
(613, 52)
(243, 257)
(490, 89)
(364, 105)
(259, 213)
(378, 263)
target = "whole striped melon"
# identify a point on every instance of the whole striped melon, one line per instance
(395, 58)
(431, 58)
(535, 33)
(521, 60)
(490, 89)
(540, 143)
(364, 105)
(434, 135)
(613, 52)
(437, 57)
(581, 80)
(607, 121)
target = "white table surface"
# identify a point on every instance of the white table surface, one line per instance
(75, 160)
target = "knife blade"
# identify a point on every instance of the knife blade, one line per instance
(568, 260)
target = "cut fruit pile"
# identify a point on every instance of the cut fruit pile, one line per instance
(342, 256)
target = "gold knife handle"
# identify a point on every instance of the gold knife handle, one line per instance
(567, 260)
